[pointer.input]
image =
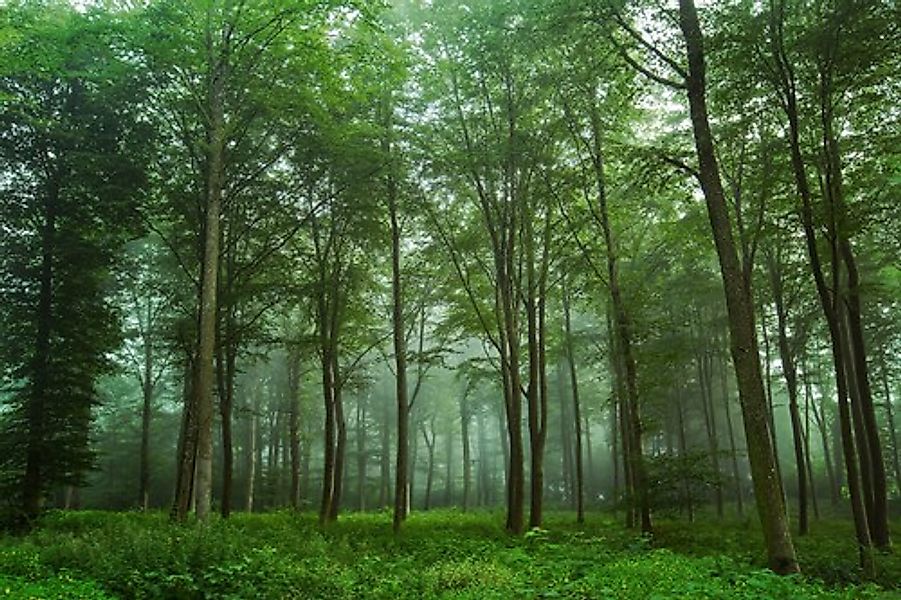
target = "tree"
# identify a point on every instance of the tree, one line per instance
(72, 149)
(768, 488)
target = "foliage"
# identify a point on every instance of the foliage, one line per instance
(445, 554)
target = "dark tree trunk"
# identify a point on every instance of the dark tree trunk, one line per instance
(467, 453)
(187, 449)
(33, 482)
(577, 411)
(614, 445)
(704, 362)
(294, 424)
(683, 452)
(251, 458)
(893, 431)
(736, 473)
(791, 382)
(340, 443)
(361, 454)
(745, 358)
(429, 437)
(329, 442)
(829, 299)
(401, 467)
(449, 470)
(623, 331)
(568, 470)
(147, 385)
(385, 456)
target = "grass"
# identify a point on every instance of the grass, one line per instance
(441, 554)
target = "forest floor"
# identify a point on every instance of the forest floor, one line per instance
(440, 554)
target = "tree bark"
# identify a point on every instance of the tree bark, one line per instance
(736, 473)
(33, 482)
(745, 358)
(251, 461)
(789, 372)
(467, 452)
(577, 411)
(147, 385)
(293, 357)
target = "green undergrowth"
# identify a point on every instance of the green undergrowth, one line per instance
(441, 554)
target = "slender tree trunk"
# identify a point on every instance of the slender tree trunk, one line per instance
(449, 470)
(683, 453)
(807, 458)
(401, 467)
(834, 485)
(590, 487)
(568, 469)
(736, 472)
(385, 456)
(614, 445)
(791, 382)
(340, 443)
(361, 454)
(892, 428)
(577, 412)
(294, 423)
(745, 358)
(146, 414)
(429, 438)
(704, 364)
(187, 448)
(328, 468)
(467, 452)
(483, 478)
(829, 299)
(768, 382)
(251, 461)
(623, 333)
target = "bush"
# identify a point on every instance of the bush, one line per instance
(441, 554)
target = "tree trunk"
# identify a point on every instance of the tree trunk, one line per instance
(328, 467)
(623, 331)
(790, 374)
(187, 448)
(829, 299)
(745, 358)
(614, 445)
(449, 470)
(467, 457)
(251, 461)
(808, 462)
(577, 411)
(893, 431)
(33, 482)
(704, 364)
(146, 414)
(834, 485)
(385, 456)
(683, 453)
(429, 438)
(566, 453)
(294, 423)
(361, 454)
(401, 467)
(340, 444)
(206, 342)
(736, 473)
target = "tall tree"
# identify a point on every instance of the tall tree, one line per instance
(73, 150)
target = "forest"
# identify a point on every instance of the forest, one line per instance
(450, 298)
